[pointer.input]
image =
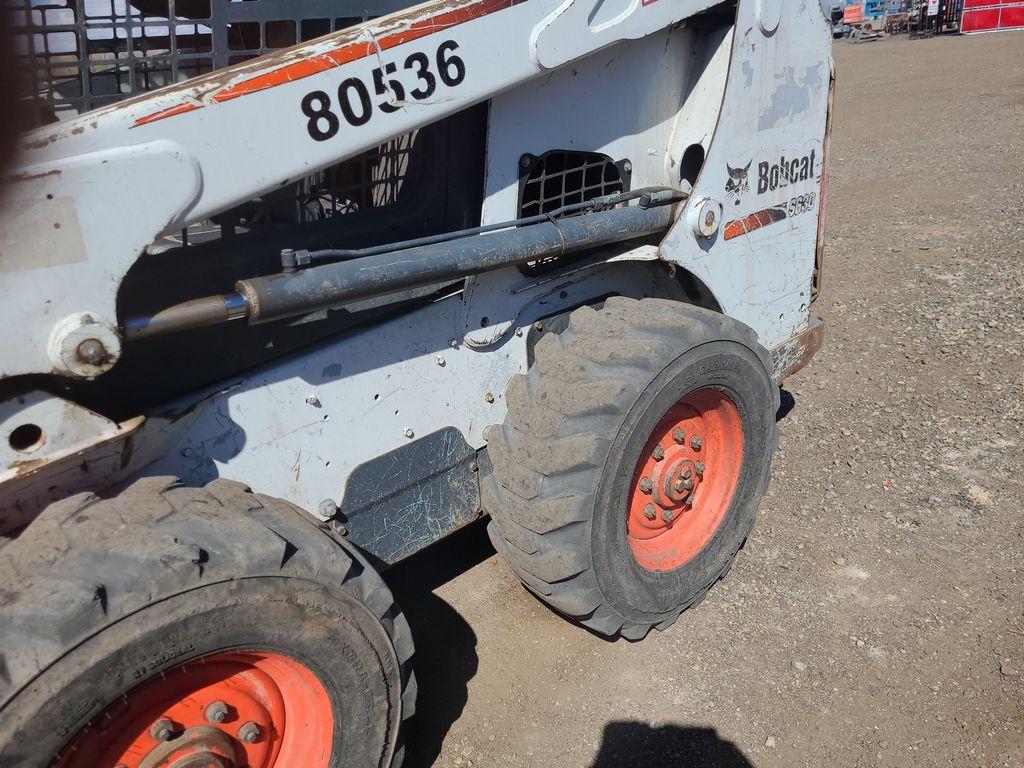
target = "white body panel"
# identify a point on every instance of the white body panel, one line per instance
(750, 94)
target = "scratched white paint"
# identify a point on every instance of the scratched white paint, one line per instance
(645, 100)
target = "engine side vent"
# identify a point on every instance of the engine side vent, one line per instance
(563, 177)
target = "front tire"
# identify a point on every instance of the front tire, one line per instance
(172, 624)
(601, 500)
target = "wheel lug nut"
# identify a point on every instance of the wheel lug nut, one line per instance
(650, 512)
(668, 516)
(658, 453)
(162, 730)
(679, 435)
(217, 712)
(696, 443)
(700, 467)
(645, 485)
(249, 732)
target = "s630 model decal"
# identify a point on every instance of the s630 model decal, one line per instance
(356, 103)
(801, 204)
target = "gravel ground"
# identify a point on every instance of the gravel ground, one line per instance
(875, 616)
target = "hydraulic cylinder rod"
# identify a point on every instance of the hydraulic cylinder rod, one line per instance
(285, 295)
(264, 299)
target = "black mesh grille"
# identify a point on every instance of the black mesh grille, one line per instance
(563, 177)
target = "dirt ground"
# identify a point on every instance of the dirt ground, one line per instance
(875, 616)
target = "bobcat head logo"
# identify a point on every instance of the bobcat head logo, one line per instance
(737, 183)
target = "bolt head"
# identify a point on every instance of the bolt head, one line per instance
(408, 432)
(439, 360)
(488, 398)
(679, 435)
(668, 516)
(687, 472)
(646, 486)
(696, 443)
(658, 453)
(92, 352)
(326, 509)
(705, 215)
(679, 487)
(650, 512)
(538, 326)
(313, 400)
(700, 467)
(217, 712)
(249, 732)
(162, 730)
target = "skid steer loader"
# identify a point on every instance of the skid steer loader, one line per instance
(292, 289)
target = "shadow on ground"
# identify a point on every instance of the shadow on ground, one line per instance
(446, 657)
(786, 404)
(669, 746)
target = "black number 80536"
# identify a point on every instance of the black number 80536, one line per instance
(356, 104)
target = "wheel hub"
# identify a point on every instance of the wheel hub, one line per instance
(675, 480)
(226, 710)
(200, 747)
(684, 480)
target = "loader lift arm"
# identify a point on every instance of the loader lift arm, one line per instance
(300, 110)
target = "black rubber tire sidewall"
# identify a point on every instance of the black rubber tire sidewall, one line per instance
(644, 596)
(325, 629)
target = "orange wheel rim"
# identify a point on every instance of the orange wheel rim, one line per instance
(248, 709)
(685, 480)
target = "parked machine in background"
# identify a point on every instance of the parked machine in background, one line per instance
(292, 292)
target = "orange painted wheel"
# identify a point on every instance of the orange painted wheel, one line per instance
(227, 710)
(685, 480)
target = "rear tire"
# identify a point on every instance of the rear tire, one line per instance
(153, 604)
(565, 497)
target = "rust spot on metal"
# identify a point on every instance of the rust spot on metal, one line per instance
(41, 143)
(796, 353)
(24, 466)
(31, 176)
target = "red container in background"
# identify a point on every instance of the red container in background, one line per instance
(989, 16)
